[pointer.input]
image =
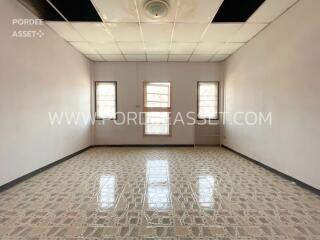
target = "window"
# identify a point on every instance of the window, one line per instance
(208, 104)
(157, 108)
(106, 100)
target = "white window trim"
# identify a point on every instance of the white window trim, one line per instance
(198, 99)
(157, 109)
(95, 100)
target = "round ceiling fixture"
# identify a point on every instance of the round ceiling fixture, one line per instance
(156, 9)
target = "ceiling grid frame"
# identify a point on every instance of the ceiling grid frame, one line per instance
(173, 28)
(103, 18)
(140, 28)
(70, 25)
(150, 53)
(202, 36)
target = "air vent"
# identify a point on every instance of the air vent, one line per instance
(156, 9)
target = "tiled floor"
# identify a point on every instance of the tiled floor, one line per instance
(158, 193)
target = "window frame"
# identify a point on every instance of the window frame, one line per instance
(116, 99)
(156, 109)
(218, 100)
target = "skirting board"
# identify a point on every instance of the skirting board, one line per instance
(35, 172)
(145, 145)
(281, 174)
(157, 145)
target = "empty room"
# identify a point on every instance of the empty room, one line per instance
(160, 119)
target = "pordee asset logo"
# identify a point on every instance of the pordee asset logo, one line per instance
(27, 33)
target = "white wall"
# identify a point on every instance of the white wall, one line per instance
(279, 71)
(130, 77)
(38, 75)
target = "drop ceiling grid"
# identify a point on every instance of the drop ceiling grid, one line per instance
(106, 26)
(203, 34)
(240, 33)
(71, 26)
(173, 28)
(140, 28)
(103, 18)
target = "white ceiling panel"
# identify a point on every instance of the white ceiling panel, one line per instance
(246, 32)
(83, 47)
(125, 32)
(65, 30)
(136, 58)
(95, 57)
(93, 31)
(208, 48)
(106, 48)
(182, 48)
(117, 10)
(132, 47)
(157, 48)
(157, 57)
(200, 57)
(113, 57)
(179, 57)
(219, 57)
(199, 11)
(221, 32)
(157, 32)
(270, 10)
(188, 32)
(229, 48)
(169, 18)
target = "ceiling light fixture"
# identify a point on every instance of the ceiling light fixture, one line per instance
(156, 9)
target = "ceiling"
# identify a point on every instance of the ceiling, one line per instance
(189, 33)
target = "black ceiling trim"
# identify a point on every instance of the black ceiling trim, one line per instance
(237, 10)
(72, 10)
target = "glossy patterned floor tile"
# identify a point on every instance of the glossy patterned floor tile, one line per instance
(158, 193)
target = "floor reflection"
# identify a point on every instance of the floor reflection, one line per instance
(63, 203)
(206, 191)
(107, 191)
(158, 189)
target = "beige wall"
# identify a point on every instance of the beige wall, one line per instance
(279, 71)
(38, 75)
(130, 77)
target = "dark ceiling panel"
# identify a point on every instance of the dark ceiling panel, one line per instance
(77, 10)
(41, 9)
(237, 10)
(72, 10)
